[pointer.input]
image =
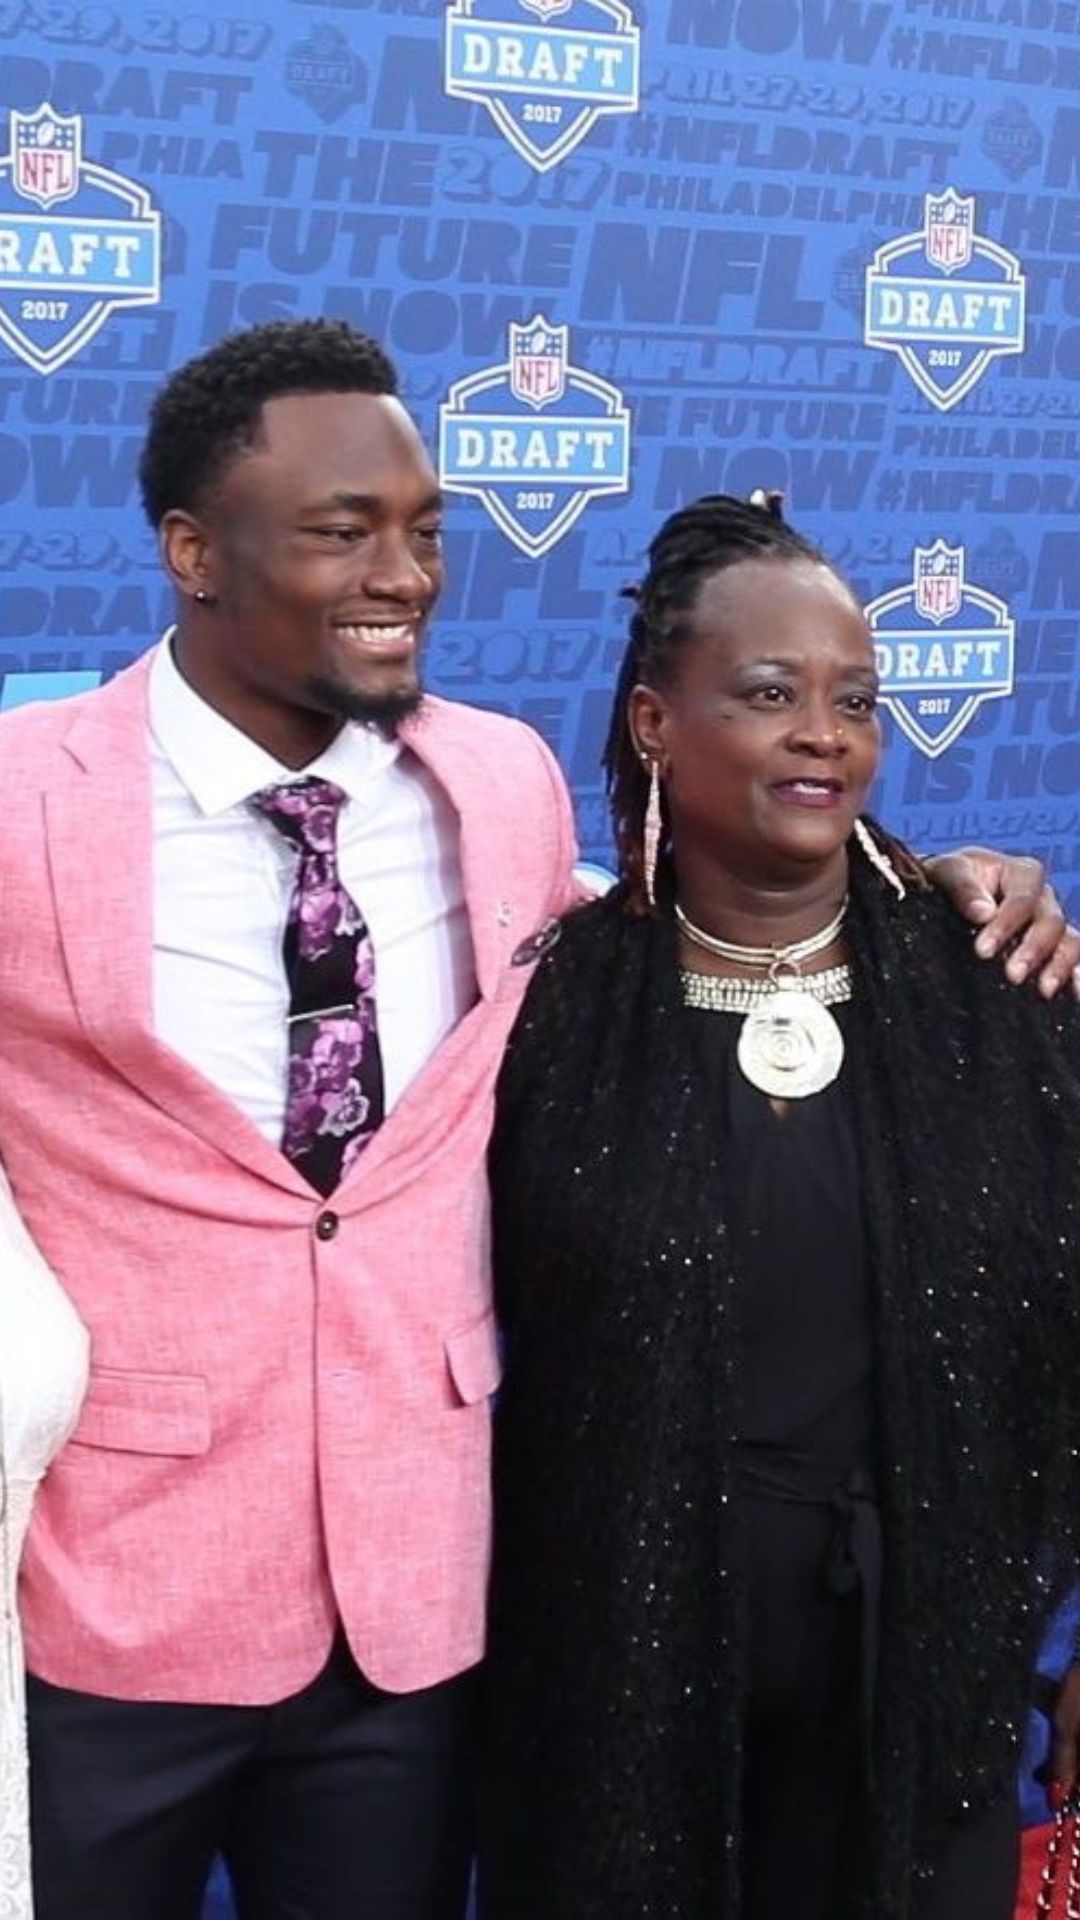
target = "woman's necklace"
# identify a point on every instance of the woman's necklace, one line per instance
(789, 1044)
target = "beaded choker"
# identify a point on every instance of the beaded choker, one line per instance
(719, 993)
(789, 1044)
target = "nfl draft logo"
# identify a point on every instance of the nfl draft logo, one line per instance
(62, 275)
(538, 356)
(545, 85)
(942, 646)
(947, 325)
(324, 71)
(939, 581)
(950, 224)
(1012, 139)
(48, 154)
(534, 439)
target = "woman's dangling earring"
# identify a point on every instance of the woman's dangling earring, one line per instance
(654, 827)
(879, 858)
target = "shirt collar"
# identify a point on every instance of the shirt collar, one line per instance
(221, 767)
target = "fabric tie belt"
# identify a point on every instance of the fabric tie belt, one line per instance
(854, 1556)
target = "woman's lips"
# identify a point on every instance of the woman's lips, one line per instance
(808, 793)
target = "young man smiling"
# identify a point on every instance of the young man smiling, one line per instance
(269, 917)
(261, 966)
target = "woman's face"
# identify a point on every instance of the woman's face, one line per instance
(767, 735)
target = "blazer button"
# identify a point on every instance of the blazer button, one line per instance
(326, 1225)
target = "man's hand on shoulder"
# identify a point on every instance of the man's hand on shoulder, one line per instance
(1008, 898)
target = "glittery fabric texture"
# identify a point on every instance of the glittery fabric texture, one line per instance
(616, 1671)
(335, 1092)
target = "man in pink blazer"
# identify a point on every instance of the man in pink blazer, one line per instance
(254, 1589)
(255, 1582)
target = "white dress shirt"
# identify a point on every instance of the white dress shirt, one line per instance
(222, 880)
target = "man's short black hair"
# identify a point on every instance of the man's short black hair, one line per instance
(209, 410)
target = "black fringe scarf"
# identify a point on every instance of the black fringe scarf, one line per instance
(617, 1602)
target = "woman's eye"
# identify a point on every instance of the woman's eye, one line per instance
(774, 696)
(861, 702)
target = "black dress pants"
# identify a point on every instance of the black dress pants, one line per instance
(805, 1749)
(805, 1753)
(341, 1803)
(977, 1868)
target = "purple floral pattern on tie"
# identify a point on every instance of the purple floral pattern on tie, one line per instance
(334, 1100)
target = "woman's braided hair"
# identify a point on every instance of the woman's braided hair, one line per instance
(693, 544)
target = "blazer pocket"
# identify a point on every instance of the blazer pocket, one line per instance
(145, 1412)
(474, 1359)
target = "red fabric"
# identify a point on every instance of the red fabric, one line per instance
(1032, 1861)
(1032, 1858)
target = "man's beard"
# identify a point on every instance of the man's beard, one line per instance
(384, 712)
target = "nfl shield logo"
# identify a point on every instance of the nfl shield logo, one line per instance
(538, 358)
(943, 647)
(324, 71)
(65, 273)
(939, 581)
(47, 152)
(546, 70)
(950, 225)
(535, 438)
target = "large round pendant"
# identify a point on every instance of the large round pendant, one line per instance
(790, 1045)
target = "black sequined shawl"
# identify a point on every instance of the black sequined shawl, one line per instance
(616, 1615)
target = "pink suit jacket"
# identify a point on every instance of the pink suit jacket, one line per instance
(288, 1414)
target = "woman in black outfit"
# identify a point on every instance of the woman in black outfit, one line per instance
(787, 1263)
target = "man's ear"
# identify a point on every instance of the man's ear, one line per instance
(185, 553)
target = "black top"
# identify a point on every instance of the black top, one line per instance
(619, 1614)
(794, 1213)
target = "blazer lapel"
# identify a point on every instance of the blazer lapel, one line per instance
(435, 740)
(414, 1128)
(98, 828)
(100, 849)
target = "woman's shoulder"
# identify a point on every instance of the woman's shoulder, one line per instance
(578, 987)
(591, 937)
(924, 950)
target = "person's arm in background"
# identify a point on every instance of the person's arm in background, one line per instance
(1007, 897)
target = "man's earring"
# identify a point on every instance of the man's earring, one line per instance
(204, 599)
(654, 827)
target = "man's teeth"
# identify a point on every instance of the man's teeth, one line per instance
(376, 636)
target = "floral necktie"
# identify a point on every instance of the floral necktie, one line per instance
(335, 1093)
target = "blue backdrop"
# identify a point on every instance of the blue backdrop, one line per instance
(623, 254)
